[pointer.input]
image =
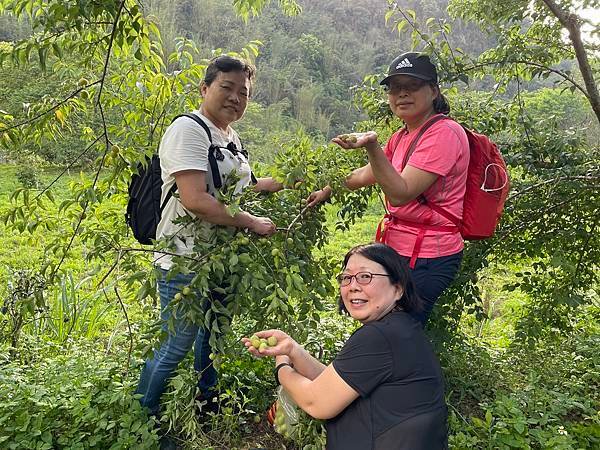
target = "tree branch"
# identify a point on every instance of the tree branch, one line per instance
(553, 180)
(130, 350)
(572, 23)
(56, 106)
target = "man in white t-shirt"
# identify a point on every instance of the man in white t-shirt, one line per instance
(184, 160)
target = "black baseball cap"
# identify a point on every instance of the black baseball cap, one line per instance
(413, 64)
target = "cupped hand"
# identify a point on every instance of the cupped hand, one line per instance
(285, 344)
(356, 140)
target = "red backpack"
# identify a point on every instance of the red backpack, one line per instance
(486, 191)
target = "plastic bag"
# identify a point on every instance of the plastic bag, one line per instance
(283, 415)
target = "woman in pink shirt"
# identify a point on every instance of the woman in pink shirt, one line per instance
(423, 163)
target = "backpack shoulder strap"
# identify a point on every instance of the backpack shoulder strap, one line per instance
(198, 120)
(212, 159)
(422, 131)
(421, 198)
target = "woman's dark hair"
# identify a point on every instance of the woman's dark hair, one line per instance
(395, 267)
(226, 63)
(440, 104)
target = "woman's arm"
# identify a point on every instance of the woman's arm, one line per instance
(191, 185)
(358, 178)
(315, 388)
(399, 188)
(324, 397)
(267, 184)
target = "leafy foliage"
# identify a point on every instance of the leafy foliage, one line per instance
(128, 88)
(77, 400)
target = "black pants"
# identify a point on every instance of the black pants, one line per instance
(431, 277)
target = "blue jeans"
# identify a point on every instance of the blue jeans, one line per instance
(431, 277)
(160, 368)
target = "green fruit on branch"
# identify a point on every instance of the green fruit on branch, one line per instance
(212, 356)
(275, 252)
(178, 296)
(186, 291)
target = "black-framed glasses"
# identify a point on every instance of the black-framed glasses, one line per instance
(361, 278)
(409, 86)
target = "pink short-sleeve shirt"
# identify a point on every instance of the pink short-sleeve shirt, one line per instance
(444, 151)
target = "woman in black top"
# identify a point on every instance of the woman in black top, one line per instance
(384, 390)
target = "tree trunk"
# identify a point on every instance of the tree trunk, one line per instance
(572, 23)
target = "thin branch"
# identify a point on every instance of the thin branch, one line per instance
(522, 109)
(293, 222)
(163, 252)
(130, 350)
(534, 64)
(56, 106)
(116, 263)
(553, 180)
(530, 217)
(71, 164)
(109, 50)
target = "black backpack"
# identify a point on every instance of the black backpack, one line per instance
(144, 209)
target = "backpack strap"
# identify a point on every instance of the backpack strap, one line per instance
(245, 153)
(214, 153)
(211, 157)
(390, 218)
(422, 131)
(421, 198)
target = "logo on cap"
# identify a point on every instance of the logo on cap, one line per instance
(404, 63)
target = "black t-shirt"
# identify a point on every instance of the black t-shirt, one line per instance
(391, 364)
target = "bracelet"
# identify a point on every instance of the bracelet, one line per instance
(276, 370)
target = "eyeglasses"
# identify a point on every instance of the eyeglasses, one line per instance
(409, 87)
(362, 278)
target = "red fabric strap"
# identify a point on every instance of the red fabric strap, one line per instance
(422, 227)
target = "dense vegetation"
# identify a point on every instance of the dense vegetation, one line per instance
(87, 89)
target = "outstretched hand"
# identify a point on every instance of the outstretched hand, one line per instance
(356, 140)
(284, 345)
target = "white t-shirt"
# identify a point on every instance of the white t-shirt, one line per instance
(184, 146)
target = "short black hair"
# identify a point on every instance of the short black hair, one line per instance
(226, 63)
(395, 267)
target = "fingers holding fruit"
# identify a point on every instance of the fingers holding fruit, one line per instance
(355, 140)
(268, 343)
